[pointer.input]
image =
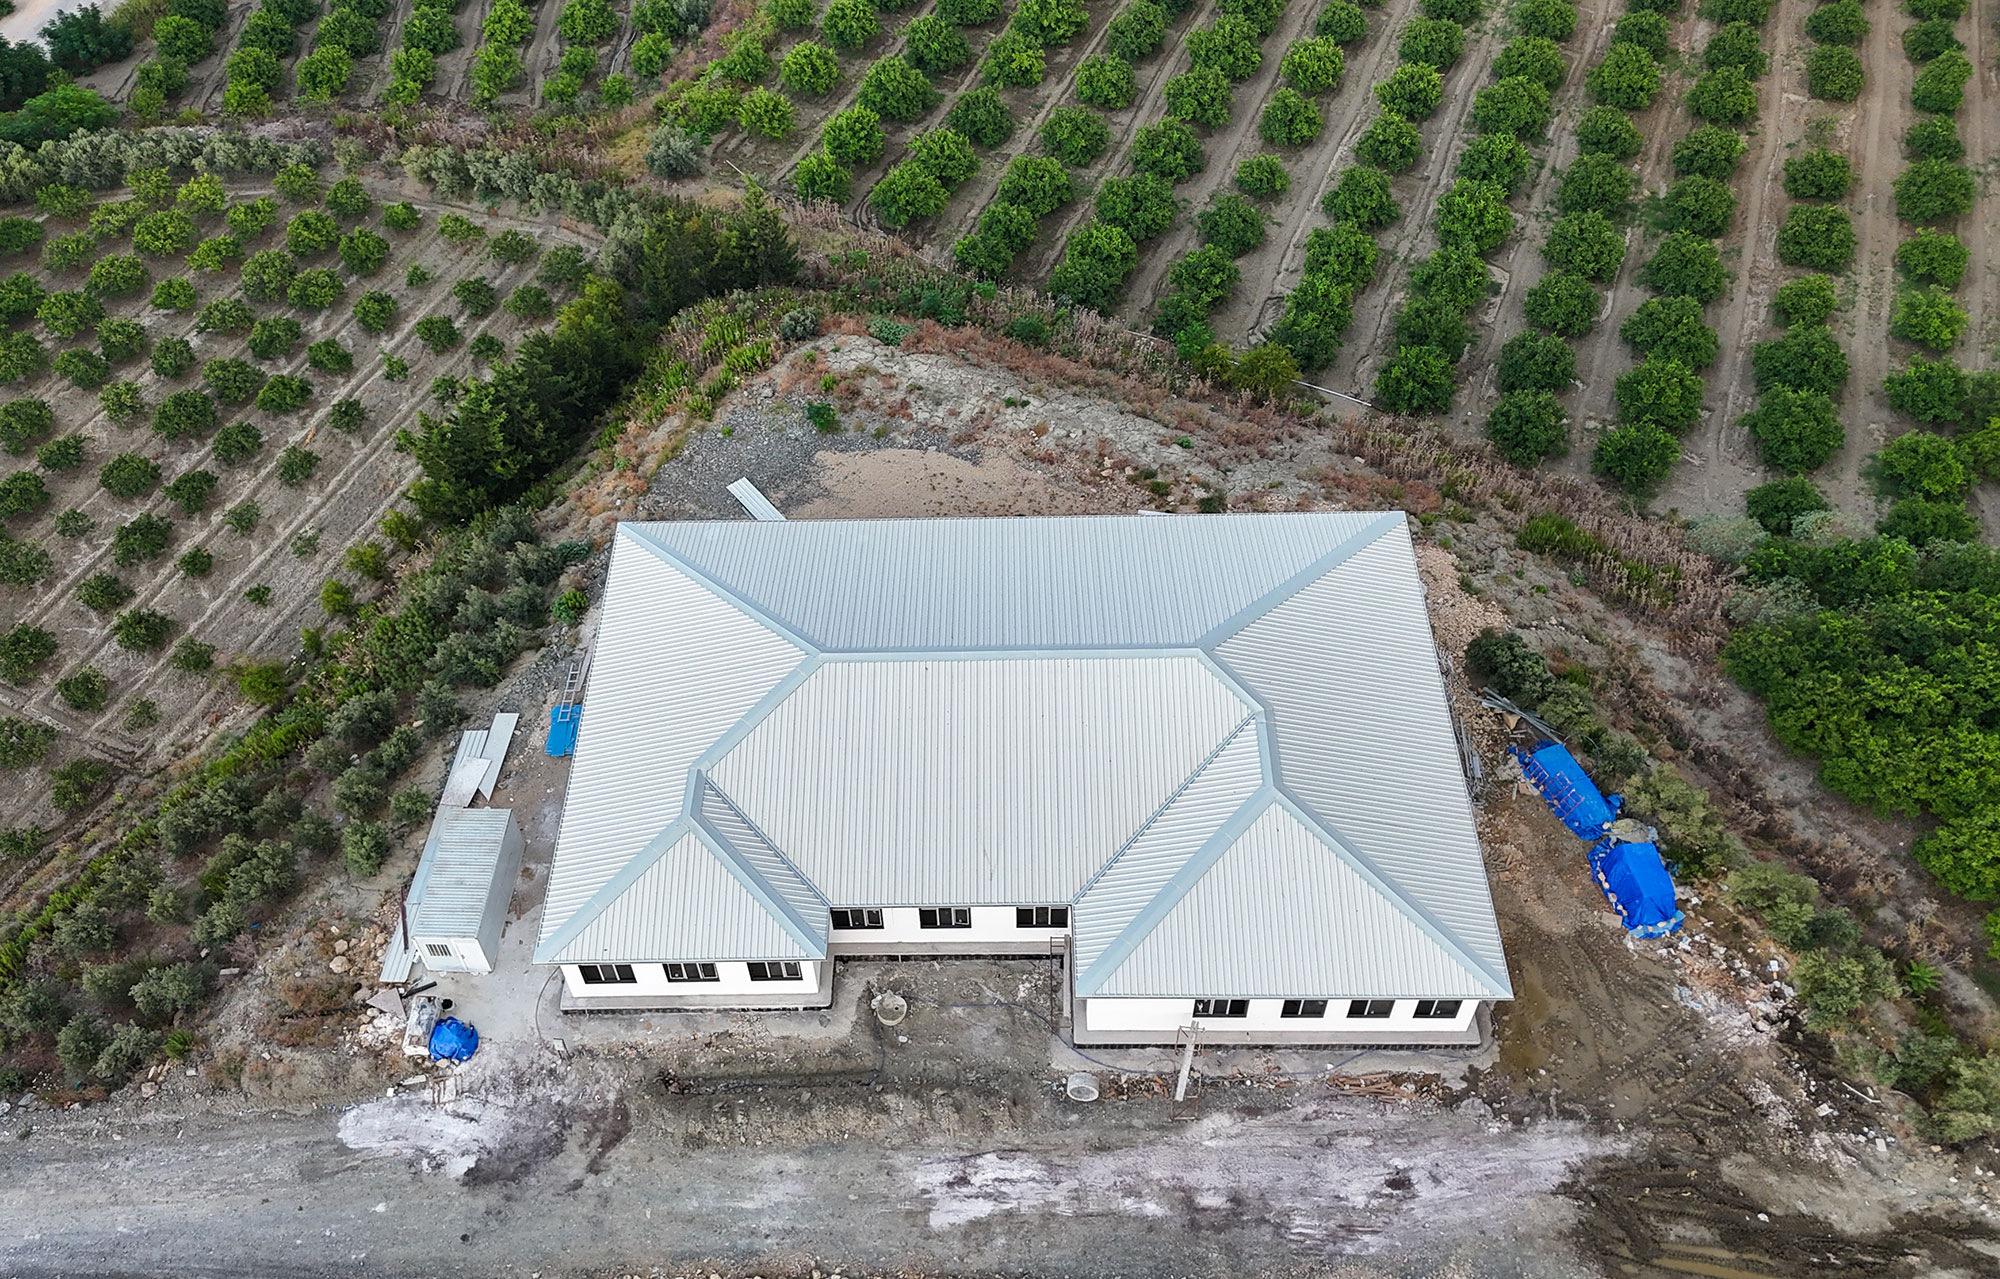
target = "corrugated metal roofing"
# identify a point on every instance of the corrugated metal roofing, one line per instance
(1114, 900)
(674, 668)
(1327, 933)
(685, 904)
(1022, 711)
(1348, 667)
(923, 781)
(455, 873)
(1064, 582)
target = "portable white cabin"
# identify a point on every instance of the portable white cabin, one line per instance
(458, 900)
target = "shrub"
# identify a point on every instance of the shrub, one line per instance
(853, 137)
(1932, 189)
(237, 443)
(68, 314)
(437, 332)
(1627, 77)
(1930, 317)
(1535, 58)
(1168, 150)
(906, 192)
(1806, 300)
(116, 275)
(1563, 303)
(1636, 456)
(1516, 106)
(88, 690)
(1014, 60)
(233, 381)
(1096, 260)
(1527, 426)
(1833, 73)
(1816, 236)
(979, 114)
(1474, 214)
(1290, 119)
(1345, 23)
(296, 465)
(1663, 392)
(251, 218)
(102, 592)
(1708, 152)
(1263, 176)
(164, 233)
(1362, 197)
(817, 177)
(374, 312)
(364, 846)
(935, 45)
(1463, 12)
(1817, 174)
(191, 491)
(191, 656)
(1137, 32)
(1232, 224)
(273, 337)
(311, 232)
(1921, 43)
(1778, 504)
(1672, 327)
(1596, 184)
(1700, 206)
(141, 629)
(1390, 143)
(1498, 158)
(1933, 256)
(1724, 96)
(1417, 381)
(1737, 44)
(86, 369)
(1535, 362)
(401, 216)
(315, 289)
(1141, 206)
(284, 394)
(122, 401)
(1431, 42)
(1806, 358)
(129, 476)
(1313, 65)
(1920, 464)
(1843, 22)
(22, 422)
(1412, 91)
(1940, 86)
(363, 252)
(1201, 96)
(765, 113)
(809, 67)
(329, 356)
(184, 415)
(1796, 430)
(1609, 132)
(1076, 136)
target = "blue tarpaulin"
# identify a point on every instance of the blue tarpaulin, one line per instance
(1572, 796)
(453, 1040)
(1636, 881)
(562, 729)
(1632, 875)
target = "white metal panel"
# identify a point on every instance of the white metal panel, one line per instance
(955, 782)
(1159, 852)
(686, 905)
(753, 501)
(1348, 667)
(674, 667)
(462, 784)
(741, 839)
(498, 737)
(1282, 914)
(1063, 582)
(450, 895)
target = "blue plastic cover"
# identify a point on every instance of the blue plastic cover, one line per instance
(1636, 881)
(1571, 795)
(453, 1040)
(562, 729)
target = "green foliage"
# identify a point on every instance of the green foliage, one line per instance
(24, 742)
(1686, 266)
(765, 113)
(1201, 96)
(935, 45)
(311, 232)
(88, 690)
(1290, 119)
(363, 252)
(1527, 426)
(1535, 58)
(1933, 256)
(1563, 303)
(274, 336)
(1141, 206)
(1595, 183)
(68, 314)
(85, 369)
(1922, 521)
(1710, 152)
(129, 476)
(1796, 430)
(1933, 189)
(1920, 464)
(906, 192)
(1816, 236)
(1818, 174)
(1778, 504)
(251, 218)
(1362, 196)
(116, 275)
(1167, 150)
(120, 339)
(1232, 224)
(437, 332)
(1609, 132)
(980, 115)
(1517, 106)
(1672, 327)
(1137, 31)
(1263, 176)
(1345, 23)
(1431, 41)
(1842, 22)
(1921, 43)
(1626, 77)
(1700, 206)
(1806, 358)
(1535, 362)
(1833, 73)
(1077, 136)
(22, 493)
(1474, 214)
(809, 67)
(1725, 96)
(1418, 381)
(1662, 392)
(853, 137)
(1929, 316)
(237, 443)
(23, 422)
(191, 491)
(1313, 65)
(284, 394)
(1499, 158)
(1940, 86)
(1545, 19)
(1737, 44)
(1636, 456)
(817, 177)
(1412, 91)
(374, 312)
(1390, 143)
(1096, 260)
(233, 381)
(1014, 60)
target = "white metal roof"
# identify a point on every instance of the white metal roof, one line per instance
(450, 891)
(1005, 711)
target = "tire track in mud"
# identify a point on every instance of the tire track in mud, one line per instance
(1224, 148)
(1522, 264)
(1413, 235)
(1272, 270)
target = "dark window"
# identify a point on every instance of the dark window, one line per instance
(1438, 1007)
(776, 970)
(851, 919)
(691, 972)
(945, 917)
(1222, 1008)
(1303, 1008)
(1370, 1007)
(606, 974)
(1041, 917)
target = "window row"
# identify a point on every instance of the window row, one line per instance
(861, 918)
(1357, 1009)
(623, 975)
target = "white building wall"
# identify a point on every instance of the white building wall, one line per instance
(732, 979)
(1166, 1016)
(992, 932)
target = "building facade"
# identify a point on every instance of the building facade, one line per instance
(1206, 765)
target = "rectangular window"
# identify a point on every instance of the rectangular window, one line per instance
(1222, 1008)
(1428, 1008)
(606, 974)
(776, 970)
(856, 918)
(691, 972)
(945, 917)
(1303, 1008)
(1041, 917)
(438, 948)
(1370, 1007)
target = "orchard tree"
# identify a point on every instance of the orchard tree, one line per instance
(1390, 143)
(980, 114)
(1039, 184)
(1075, 135)
(1202, 96)
(1586, 244)
(1362, 197)
(1563, 303)
(1686, 266)
(1313, 65)
(1833, 73)
(1818, 174)
(1418, 382)
(1709, 152)
(895, 90)
(1535, 58)
(1663, 392)
(1527, 426)
(1627, 78)
(1796, 430)
(1806, 358)
(1432, 42)
(1107, 82)
(1636, 456)
(1778, 504)
(1816, 236)
(1516, 105)
(1499, 158)
(1290, 119)
(1929, 316)
(935, 45)
(1703, 206)
(1672, 328)
(906, 192)
(1933, 189)
(1169, 150)
(854, 137)
(1725, 96)
(1531, 361)
(1595, 183)
(1806, 300)
(1412, 91)
(810, 68)
(1931, 256)
(1610, 132)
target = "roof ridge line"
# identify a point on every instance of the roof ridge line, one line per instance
(1384, 885)
(1367, 535)
(1182, 882)
(735, 599)
(629, 874)
(1157, 813)
(751, 878)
